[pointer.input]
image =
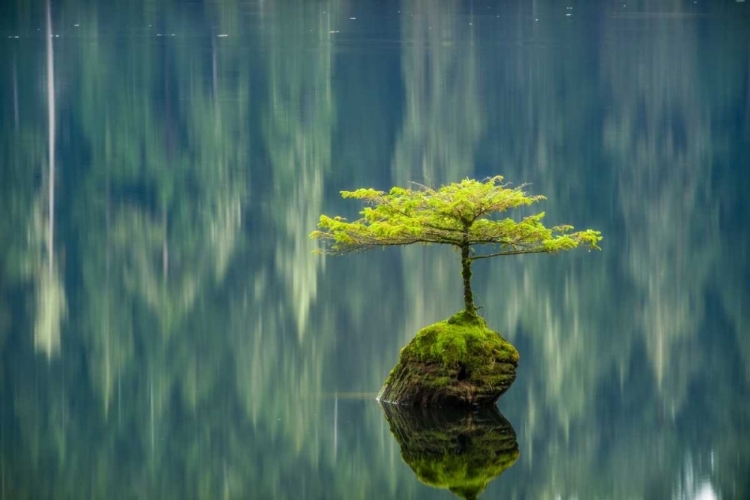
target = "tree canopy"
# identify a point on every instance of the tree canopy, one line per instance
(463, 214)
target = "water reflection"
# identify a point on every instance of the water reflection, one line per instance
(438, 140)
(185, 333)
(461, 450)
(659, 119)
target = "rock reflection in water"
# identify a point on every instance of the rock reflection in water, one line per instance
(462, 450)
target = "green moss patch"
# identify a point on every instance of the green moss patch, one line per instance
(455, 362)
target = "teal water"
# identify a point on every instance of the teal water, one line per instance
(166, 331)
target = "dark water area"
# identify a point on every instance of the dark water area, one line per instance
(167, 332)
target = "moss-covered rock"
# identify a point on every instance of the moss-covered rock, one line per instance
(458, 449)
(455, 362)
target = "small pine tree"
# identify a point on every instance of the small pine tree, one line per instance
(462, 214)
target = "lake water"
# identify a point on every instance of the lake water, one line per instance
(166, 331)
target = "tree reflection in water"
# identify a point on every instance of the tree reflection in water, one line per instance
(458, 449)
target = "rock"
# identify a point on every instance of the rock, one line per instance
(455, 362)
(458, 449)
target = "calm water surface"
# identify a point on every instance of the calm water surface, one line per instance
(166, 332)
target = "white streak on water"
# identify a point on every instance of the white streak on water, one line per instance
(51, 138)
(335, 425)
(151, 404)
(16, 118)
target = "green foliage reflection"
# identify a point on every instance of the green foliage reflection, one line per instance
(461, 450)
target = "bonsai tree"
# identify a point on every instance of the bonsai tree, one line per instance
(466, 215)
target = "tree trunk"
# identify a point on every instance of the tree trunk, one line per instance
(466, 273)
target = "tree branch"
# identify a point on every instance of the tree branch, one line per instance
(386, 202)
(345, 248)
(513, 252)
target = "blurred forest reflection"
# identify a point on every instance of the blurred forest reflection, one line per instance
(166, 331)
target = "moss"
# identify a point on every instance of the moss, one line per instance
(467, 345)
(460, 355)
(449, 340)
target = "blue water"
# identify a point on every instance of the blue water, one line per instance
(167, 332)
